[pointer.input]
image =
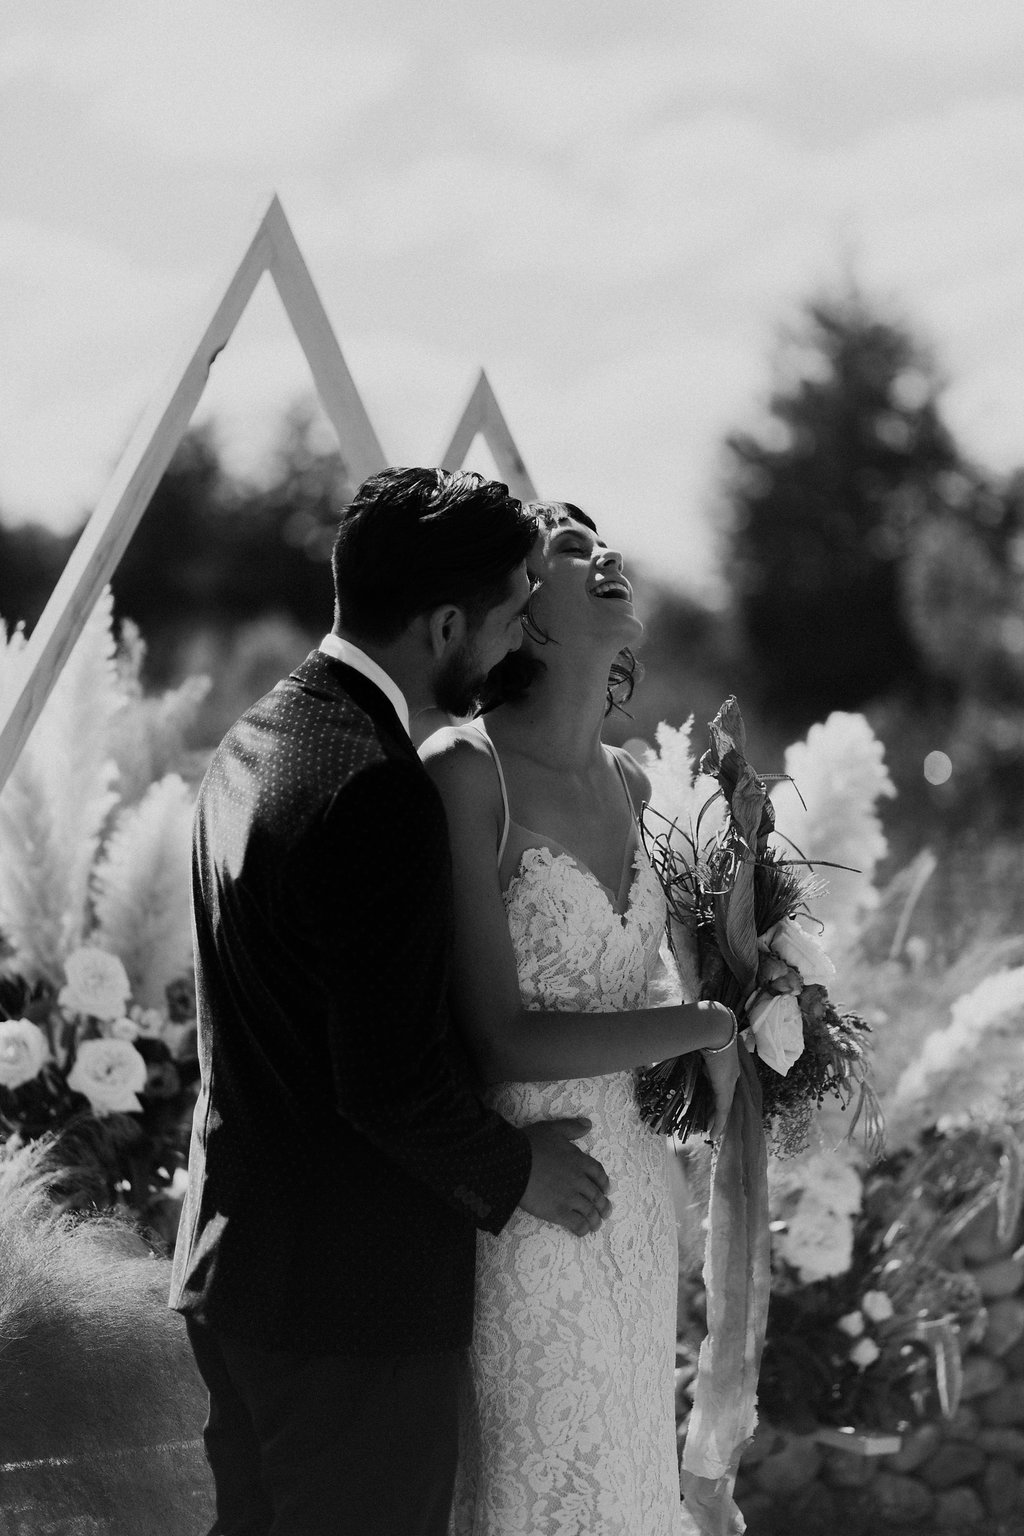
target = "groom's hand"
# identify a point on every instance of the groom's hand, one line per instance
(566, 1186)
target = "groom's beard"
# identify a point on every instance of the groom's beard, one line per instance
(460, 683)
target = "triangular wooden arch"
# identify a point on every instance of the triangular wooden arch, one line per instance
(106, 535)
(483, 417)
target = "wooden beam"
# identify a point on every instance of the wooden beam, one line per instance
(482, 417)
(106, 535)
(360, 447)
(117, 514)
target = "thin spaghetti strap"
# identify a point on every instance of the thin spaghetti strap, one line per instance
(625, 784)
(478, 725)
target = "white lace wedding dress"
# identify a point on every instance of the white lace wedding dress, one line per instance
(568, 1423)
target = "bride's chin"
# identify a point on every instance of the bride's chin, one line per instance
(621, 637)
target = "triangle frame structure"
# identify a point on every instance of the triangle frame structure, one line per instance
(483, 417)
(106, 535)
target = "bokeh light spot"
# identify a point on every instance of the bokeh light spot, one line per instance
(937, 767)
(1012, 629)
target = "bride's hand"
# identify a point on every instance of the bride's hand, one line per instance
(723, 1069)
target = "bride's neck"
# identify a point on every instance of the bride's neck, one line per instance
(559, 721)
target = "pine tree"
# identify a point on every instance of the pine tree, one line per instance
(825, 503)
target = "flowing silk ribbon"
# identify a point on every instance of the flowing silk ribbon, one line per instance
(736, 1277)
(736, 1263)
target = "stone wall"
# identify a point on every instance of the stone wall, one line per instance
(963, 1476)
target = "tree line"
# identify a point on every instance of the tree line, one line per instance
(868, 564)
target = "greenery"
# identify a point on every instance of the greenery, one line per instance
(111, 1095)
(877, 1344)
(867, 563)
(222, 577)
(869, 568)
(827, 501)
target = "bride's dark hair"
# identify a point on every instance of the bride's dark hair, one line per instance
(513, 677)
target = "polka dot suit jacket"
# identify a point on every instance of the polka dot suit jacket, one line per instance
(340, 1159)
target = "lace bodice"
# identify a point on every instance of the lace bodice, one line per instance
(570, 1429)
(573, 951)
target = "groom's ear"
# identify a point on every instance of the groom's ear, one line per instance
(446, 627)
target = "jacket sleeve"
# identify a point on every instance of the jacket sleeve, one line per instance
(377, 872)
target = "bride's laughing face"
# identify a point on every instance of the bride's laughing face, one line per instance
(579, 590)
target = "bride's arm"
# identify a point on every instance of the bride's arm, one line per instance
(511, 1043)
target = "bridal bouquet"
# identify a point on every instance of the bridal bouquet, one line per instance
(734, 901)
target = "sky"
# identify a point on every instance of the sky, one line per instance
(611, 206)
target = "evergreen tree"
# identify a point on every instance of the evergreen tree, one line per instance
(210, 554)
(176, 570)
(825, 503)
(31, 560)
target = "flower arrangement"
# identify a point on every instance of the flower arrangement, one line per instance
(114, 1080)
(97, 1010)
(734, 897)
(814, 1201)
(871, 1307)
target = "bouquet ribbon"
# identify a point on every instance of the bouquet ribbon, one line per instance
(736, 1278)
(737, 1274)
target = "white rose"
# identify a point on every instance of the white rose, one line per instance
(852, 1324)
(827, 1177)
(802, 950)
(817, 1242)
(23, 1050)
(123, 1029)
(778, 1030)
(864, 1353)
(110, 1073)
(97, 984)
(877, 1305)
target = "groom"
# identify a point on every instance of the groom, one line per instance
(340, 1158)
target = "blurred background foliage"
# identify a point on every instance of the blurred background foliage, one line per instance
(865, 564)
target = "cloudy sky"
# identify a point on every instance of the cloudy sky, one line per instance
(610, 205)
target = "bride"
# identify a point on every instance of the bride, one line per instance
(568, 1423)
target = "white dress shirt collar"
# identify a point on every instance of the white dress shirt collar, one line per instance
(352, 656)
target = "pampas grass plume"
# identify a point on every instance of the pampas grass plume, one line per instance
(971, 1064)
(56, 801)
(840, 772)
(679, 791)
(141, 890)
(148, 736)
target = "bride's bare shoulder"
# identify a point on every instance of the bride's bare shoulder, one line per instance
(459, 761)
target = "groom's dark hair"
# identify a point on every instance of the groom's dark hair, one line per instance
(414, 539)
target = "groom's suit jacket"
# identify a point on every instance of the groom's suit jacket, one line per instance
(340, 1160)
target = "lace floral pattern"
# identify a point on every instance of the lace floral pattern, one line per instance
(569, 1426)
